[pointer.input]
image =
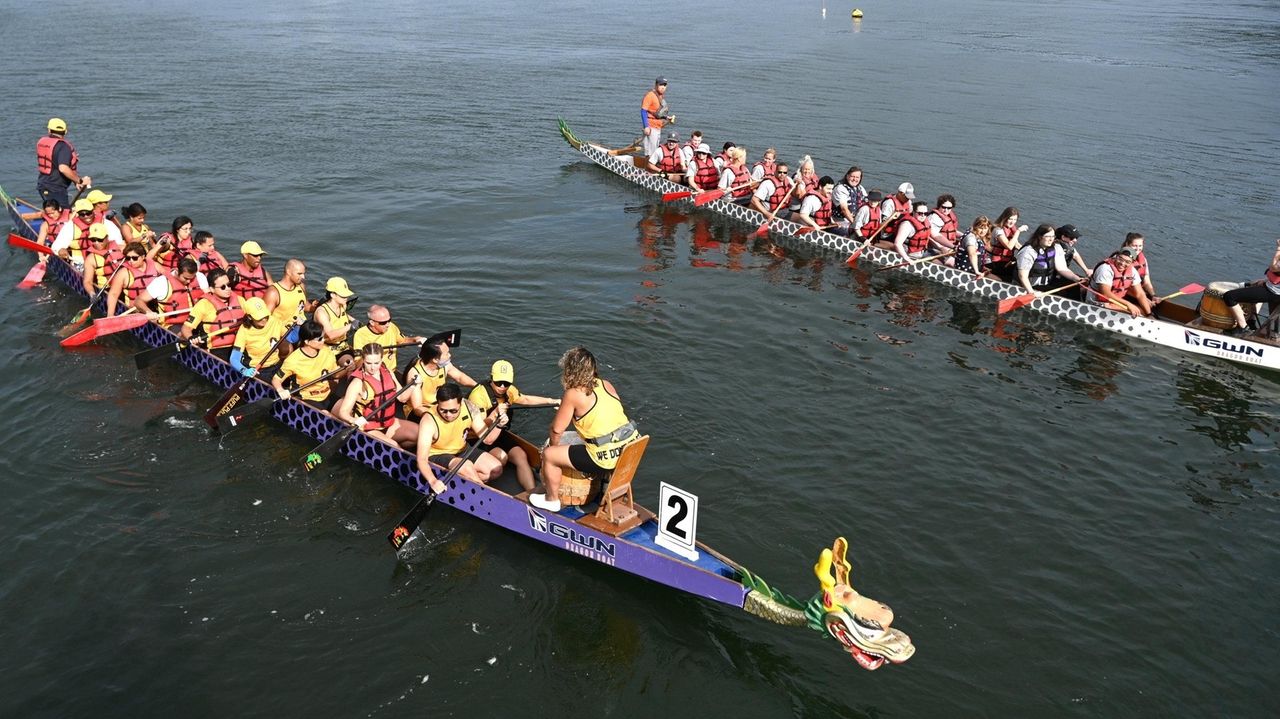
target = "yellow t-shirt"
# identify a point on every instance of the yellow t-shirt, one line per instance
(305, 369)
(391, 336)
(257, 342)
(480, 396)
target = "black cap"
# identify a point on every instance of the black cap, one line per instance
(660, 81)
(875, 196)
(1069, 231)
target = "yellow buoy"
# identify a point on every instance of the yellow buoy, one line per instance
(856, 13)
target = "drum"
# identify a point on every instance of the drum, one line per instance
(576, 488)
(1213, 309)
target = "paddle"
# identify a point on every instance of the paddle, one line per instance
(245, 414)
(325, 450)
(1190, 289)
(1012, 303)
(127, 321)
(146, 358)
(916, 261)
(853, 258)
(93, 331)
(24, 243)
(809, 228)
(666, 196)
(1114, 304)
(235, 395)
(83, 314)
(35, 276)
(409, 524)
(763, 229)
(713, 195)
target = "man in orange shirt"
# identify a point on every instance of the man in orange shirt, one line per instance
(654, 114)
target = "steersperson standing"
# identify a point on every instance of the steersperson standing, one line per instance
(56, 161)
(654, 113)
(592, 406)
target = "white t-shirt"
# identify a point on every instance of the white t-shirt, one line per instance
(1103, 277)
(765, 190)
(159, 286)
(812, 203)
(68, 232)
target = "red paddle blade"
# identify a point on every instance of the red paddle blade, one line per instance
(670, 196)
(853, 258)
(119, 323)
(1191, 289)
(706, 197)
(24, 243)
(1013, 303)
(34, 276)
(88, 334)
(803, 231)
(763, 229)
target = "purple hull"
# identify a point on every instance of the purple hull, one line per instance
(634, 551)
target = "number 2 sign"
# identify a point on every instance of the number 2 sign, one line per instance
(678, 521)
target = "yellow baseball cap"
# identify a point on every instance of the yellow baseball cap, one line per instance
(255, 308)
(57, 124)
(82, 205)
(252, 248)
(96, 196)
(97, 231)
(338, 286)
(502, 371)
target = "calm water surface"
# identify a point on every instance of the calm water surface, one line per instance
(1068, 523)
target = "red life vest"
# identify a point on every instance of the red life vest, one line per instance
(1120, 281)
(55, 225)
(44, 154)
(180, 297)
(672, 160)
(769, 167)
(781, 188)
(206, 263)
(135, 281)
(903, 208)
(822, 215)
(724, 158)
(706, 175)
(250, 283)
(104, 264)
(375, 391)
(177, 250)
(919, 240)
(950, 227)
(228, 315)
(1000, 253)
(1273, 276)
(1140, 265)
(741, 176)
(872, 226)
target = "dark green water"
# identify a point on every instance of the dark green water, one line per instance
(1067, 523)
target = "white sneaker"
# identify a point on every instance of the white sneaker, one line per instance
(540, 501)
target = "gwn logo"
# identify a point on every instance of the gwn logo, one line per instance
(1195, 339)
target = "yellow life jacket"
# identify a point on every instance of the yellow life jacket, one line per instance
(451, 437)
(287, 310)
(605, 428)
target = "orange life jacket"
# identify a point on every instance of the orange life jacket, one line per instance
(872, 225)
(375, 391)
(250, 283)
(44, 154)
(919, 240)
(741, 176)
(781, 188)
(135, 281)
(706, 175)
(950, 227)
(672, 160)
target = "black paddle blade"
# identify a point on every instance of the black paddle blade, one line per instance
(325, 451)
(453, 338)
(233, 398)
(245, 414)
(146, 358)
(409, 524)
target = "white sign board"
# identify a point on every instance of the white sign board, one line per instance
(678, 521)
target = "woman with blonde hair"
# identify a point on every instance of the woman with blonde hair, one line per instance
(735, 178)
(975, 247)
(592, 406)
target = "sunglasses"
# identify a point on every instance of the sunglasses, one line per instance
(387, 321)
(442, 410)
(133, 258)
(222, 287)
(501, 384)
